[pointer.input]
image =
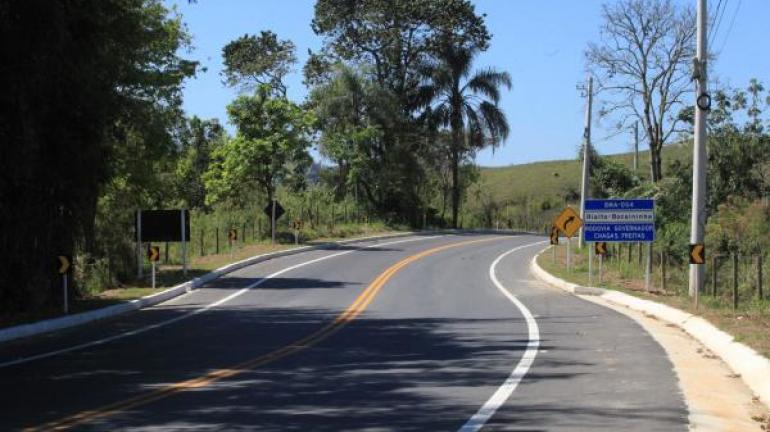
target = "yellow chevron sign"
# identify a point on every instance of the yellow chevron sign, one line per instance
(600, 248)
(697, 253)
(153, 253)
(65, 263)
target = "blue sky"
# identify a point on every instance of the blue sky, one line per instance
(539, 42)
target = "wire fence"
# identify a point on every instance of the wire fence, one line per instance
(732, 278)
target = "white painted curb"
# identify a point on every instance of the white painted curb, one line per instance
(753, 368)
(46, 326)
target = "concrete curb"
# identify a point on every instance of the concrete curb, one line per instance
(753, 368)
(54, 324)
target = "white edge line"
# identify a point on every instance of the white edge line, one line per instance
(505, 390)
(197, 311)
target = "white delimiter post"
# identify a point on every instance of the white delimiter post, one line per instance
(698, 220)
(586, 156)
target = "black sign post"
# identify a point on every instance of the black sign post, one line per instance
(162, 226)
(274, 211)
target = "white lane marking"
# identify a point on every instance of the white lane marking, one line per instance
(505, 390)
(197, 311)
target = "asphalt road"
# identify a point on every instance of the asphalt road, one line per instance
(402, 334)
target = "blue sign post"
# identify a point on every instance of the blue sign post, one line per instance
(619, 220)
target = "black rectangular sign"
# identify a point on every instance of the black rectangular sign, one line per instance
(164, 225)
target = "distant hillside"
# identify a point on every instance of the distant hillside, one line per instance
(556, 179)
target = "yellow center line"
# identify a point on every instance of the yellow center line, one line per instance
(349, 314)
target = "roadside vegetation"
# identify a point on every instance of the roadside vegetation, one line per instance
(93, 130)
(396, 108)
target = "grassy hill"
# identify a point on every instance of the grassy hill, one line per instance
(528, 196)
(556, 179)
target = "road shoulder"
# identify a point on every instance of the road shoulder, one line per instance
(717, 398)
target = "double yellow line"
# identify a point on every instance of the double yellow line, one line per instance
(349, 314)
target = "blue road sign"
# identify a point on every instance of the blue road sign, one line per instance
(619, 220)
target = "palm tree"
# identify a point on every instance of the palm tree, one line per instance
(467, 104)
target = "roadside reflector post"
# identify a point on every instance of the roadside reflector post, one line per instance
(590, 264)
(648, 267)
(153, 254)
(601, 249)
(66, 299)
(64, 267)
(601, 267)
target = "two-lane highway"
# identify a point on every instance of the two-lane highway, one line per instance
(417, 333)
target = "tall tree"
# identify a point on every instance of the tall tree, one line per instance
(80, 77)
(201, 138)
(251, 61)
(269, 148)
(390, 41)
(349, 110)
(466, 102)
(642, 67)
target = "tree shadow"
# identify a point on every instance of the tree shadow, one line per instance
(412, 374)
(234, 282)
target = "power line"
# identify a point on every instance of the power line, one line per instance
(729, 29)
(717, 22)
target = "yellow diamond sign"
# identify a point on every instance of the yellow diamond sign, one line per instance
(568, 222)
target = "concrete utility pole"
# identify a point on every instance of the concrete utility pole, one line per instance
(586, 156)
(636, 147)
(702, 105)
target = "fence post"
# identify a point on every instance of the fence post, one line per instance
(216, 231)
(735, 281)
(628, 245)
(714, 273)
(759, 277)
(243, 234)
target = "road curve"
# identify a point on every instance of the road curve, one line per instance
(409, 334)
